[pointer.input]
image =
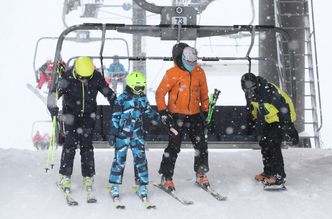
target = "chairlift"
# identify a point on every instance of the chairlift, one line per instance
(40, 134)
(179, 33)
(78, 39)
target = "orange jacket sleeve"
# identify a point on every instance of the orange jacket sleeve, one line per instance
(204, 93)
(164, 87)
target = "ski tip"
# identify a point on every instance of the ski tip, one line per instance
(120, 207)
(91, 201)
(72, 203)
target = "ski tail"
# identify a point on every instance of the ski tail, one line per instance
(174, 194)
(212, 192)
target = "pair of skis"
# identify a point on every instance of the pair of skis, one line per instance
(145, 201)
(183, 201)
(71, 201)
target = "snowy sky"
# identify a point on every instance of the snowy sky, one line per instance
(23, 22)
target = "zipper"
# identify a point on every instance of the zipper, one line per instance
(83, 102)
(189, 92)
(177, 94)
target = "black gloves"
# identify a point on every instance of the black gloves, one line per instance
(168, 121)
(54, 110)
(114, 132)
(205, 122)
(290, 133)
(251, 127)
(111, 140)
(166, 118)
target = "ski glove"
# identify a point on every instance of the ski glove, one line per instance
(205, 120)
(166, 118)
(168, 121)
(290, 133)
(111, 140)
(53, 110)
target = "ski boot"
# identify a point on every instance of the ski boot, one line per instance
(65, 183)
(274, 182)
(261, 177)
(88, 183)
(202, 180)
(115, 190)
(167, 183)
(142, 191)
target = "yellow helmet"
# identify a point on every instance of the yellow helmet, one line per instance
(84, 66)
(136, 81)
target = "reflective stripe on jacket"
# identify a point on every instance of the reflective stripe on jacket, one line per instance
(187, 92)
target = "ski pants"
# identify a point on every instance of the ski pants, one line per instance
(78, 132)
(136, 144)
(192, 125)
(271, 150)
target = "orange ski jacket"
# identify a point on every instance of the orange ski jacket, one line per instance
(187, 92)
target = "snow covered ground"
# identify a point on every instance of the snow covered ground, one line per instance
(28, 192)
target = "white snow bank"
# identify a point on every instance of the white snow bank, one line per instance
(26, 191)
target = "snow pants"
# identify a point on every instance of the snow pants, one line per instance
(136, 144)
(271, 150)
(192, 125)
(78, 132)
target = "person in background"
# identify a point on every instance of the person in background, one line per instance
(37, 140)
(79, 87)
(186, 112)
(127, 132)
(44, 73)
(270, 109)
(117, 74)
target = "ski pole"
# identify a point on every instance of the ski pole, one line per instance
(213, 100)
(50, 152)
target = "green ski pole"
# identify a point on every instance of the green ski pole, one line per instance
(50, 152)
(213, 101)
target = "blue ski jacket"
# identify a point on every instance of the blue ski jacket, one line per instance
(127, 117)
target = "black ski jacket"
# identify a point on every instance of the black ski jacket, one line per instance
(79, 96)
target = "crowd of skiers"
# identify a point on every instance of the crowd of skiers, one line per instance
(184, 112)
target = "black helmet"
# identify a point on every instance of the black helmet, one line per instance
(178, 49)
(248, 80)
(177, 54)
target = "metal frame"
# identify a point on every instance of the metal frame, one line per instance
(74, 39)
(155, 30)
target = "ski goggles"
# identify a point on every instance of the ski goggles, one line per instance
(139, 88)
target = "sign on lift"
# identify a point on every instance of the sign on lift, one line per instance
(179, 16)
(179, 20)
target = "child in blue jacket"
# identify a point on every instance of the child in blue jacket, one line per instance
(127, 132)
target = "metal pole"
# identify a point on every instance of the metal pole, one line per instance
(139, 18)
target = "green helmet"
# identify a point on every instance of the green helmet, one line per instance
(137, 82)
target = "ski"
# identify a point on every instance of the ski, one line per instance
(69, 199)
(174, 195)
(117, 203)
(146, 203)
(37, 93)
(212, 192)
(90, 195)
(116, 200)
(275, 187)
